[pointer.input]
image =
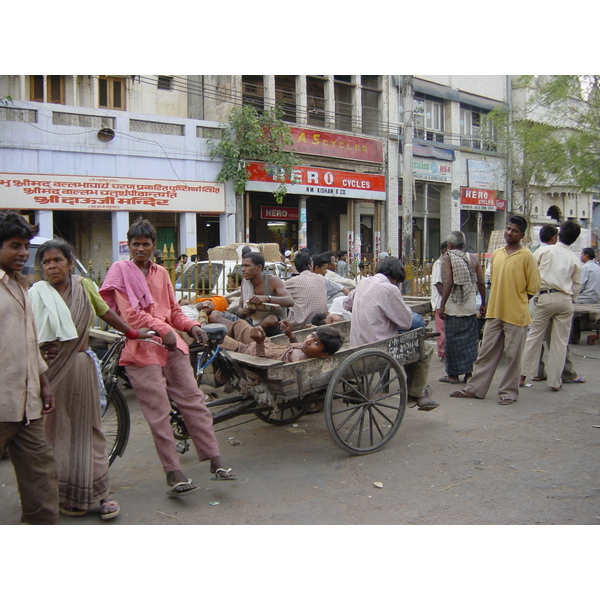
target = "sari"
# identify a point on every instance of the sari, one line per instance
(74, 429)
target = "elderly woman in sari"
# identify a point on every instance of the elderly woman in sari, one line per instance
(64, 306)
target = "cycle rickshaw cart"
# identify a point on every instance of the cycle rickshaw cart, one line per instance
(363, 388)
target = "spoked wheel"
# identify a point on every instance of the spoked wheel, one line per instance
(365, 401)
(116, 424)
(284, 414)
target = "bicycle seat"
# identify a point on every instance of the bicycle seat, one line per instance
(215, 331)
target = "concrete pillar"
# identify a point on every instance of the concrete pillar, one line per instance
(188, 238)
(119, 227)
(357, 236)
(44, 219)
(301, 101)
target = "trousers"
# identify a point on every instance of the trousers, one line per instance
(499, 339)
(35, 469)
(153, 386)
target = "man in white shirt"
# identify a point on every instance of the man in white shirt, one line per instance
(560, 284)
(590, 278)
(436, 299)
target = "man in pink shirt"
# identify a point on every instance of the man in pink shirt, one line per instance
(379, 312)
(140, 291)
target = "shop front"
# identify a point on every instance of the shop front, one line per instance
(324, 209)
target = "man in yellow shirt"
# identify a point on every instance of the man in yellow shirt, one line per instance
(514, 280)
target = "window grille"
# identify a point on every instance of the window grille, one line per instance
(155, 127)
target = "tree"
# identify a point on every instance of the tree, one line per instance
(253, 135)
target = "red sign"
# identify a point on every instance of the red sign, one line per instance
(327, 143)
(476, 199)
(281, 213)
(317, 181)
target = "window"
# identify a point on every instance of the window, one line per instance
(344, 90)
(371, 98)
(164, 82)
(315, 100)
(253, 91)
(55, 88)
(111, 92)
(285, 94)
(476, 131)
(209, 132)
(428, 119)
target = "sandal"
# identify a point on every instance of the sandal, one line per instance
(507, 401)
(224, 475)
(539, 378)
(463, 394)
(177, 491)
(580, 379)
(109, 509)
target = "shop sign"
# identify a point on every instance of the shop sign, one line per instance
(281, 213)
(433, 152)
(476, 199)
(60, 192)
(432, 170)
(315, 181)
(484, 174)
(328, 143)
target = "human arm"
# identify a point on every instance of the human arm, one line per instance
(286, 327)
(113, 319)
(532, 276)
(480, 283)
(281, 296)
(258, 335)
(47, 395)
(447, 285)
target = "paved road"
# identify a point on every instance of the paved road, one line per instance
(467, 462)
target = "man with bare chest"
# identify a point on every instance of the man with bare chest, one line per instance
(259, 288)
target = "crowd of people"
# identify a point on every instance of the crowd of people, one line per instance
(50, 413)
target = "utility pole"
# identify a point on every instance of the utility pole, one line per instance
(407, 168)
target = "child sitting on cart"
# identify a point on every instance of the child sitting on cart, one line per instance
(246, 339)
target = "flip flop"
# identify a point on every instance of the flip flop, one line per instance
(430, 405)
(506, 401)
(539, 378)
(106, 513)
(174, 491)
(463, 394)
(580, 379)
(224, 475)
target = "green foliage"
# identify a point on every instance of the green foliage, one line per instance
(6, 100)
(253, 135)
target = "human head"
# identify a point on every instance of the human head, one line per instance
(392, 268)
(141, 228)
(320, 263)
(382, 255)
(302, 261)
(323, 318)
(547, 232)
(253, 265)
(519, 222)
(15, 234)
(324, 342)
(246, 250)
(342, 255)
(443, 247)
(55, 244)
(158, 257)
(569, 232)
(456, 239)
(331, 260)
(587, 254)
(182, 258)
(14, 225)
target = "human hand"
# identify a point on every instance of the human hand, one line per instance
(47, 395)
(442, 313)
(199, 335)
(145, 333)
(258, 334)
(49, 351)
(286, 327)
(169, 340)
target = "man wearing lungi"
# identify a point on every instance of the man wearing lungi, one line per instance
(462, 277)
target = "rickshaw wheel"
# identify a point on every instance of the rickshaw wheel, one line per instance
(365, 401)
(284, 414)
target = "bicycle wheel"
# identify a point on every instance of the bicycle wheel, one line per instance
(365, 401)
(116, 424)
(283, 414)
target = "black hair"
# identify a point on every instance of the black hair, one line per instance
(256, 257)
(590, 252)
(55, 244)
(520, 222)
(246, 250)
(304, 250)
(182, 256)
(318, 318)
(141, 228)
(569, 232)
(393, 268)
(13, 224)
(547, 232)
(158, 257)
(319, 260)
(443, 245)
(341, 254)
(302, 261)
(330, 337)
